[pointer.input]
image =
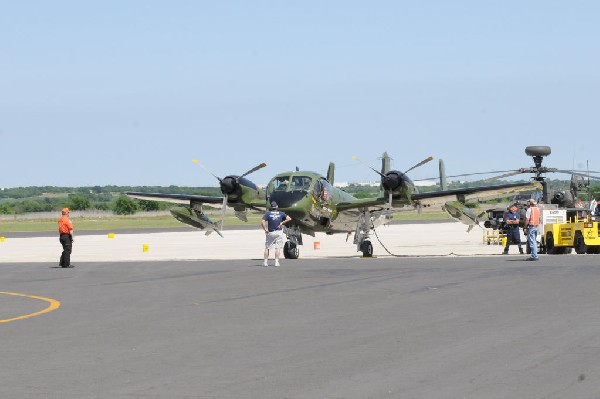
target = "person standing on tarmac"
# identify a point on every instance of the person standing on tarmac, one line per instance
(65, 229)
(272, 223)
(511, 219)
(532, 223)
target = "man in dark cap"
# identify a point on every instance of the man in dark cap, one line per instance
(272, 223)
(513, 236)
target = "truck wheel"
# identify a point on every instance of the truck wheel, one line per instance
(550, 248)
(579, 243)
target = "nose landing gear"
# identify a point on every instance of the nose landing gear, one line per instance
(361, 235)
(367, 249)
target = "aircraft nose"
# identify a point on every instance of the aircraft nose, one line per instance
(392, 181)
(228, 185)
(286, 199)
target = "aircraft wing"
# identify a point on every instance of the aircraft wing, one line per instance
(438, 198)
(175, 198)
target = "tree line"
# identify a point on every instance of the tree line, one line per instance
(108, 198)
(112, 198)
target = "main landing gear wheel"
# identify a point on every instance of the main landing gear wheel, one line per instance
(290, 250)
(367, 249)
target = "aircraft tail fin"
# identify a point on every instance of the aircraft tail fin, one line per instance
(443, 184)
(385, 167)
(331, 173)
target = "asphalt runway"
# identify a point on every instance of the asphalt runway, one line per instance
(410, 327)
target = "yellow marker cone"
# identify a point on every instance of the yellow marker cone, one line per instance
(145, 247)
(111, 235)
(2, 239)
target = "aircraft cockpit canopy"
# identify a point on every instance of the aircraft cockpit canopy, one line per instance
(290, 183)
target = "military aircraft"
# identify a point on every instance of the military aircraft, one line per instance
(561, 198)
(316, 205)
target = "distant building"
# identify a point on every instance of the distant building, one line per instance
(425, 183)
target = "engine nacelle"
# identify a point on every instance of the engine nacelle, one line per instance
(397, 183)
(238, 189)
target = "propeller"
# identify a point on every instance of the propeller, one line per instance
(228, 185)
(423, 162)
(391, 181)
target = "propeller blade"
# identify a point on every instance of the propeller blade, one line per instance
(254, 169)
(223, 209)
(423, 162)
(368, 166)
(206, 169)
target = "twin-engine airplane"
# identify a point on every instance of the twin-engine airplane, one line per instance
(316, 205)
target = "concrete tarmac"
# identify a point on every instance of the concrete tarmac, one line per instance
(430, 239)
(445, 326)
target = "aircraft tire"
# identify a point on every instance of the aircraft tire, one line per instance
(290, 250)
(367, 249)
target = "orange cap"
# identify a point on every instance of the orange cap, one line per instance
(65, 210)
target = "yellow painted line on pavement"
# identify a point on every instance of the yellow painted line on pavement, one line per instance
(54, 304)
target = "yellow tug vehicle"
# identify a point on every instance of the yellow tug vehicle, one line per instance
(579, 231)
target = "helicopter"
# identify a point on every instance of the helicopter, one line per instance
(316, 205)
(561, 198)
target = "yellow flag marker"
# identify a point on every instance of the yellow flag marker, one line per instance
(145, 247)
(111, 235)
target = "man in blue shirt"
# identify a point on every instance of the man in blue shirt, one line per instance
(272, 223)
(512, 219)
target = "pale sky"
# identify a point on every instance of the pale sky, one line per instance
(129, 92)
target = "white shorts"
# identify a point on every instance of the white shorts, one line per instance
(274, 239)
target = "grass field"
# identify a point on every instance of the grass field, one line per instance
(165, 221)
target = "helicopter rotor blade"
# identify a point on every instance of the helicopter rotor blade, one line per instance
(514, 172)
(576, 173)
(468, 174)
